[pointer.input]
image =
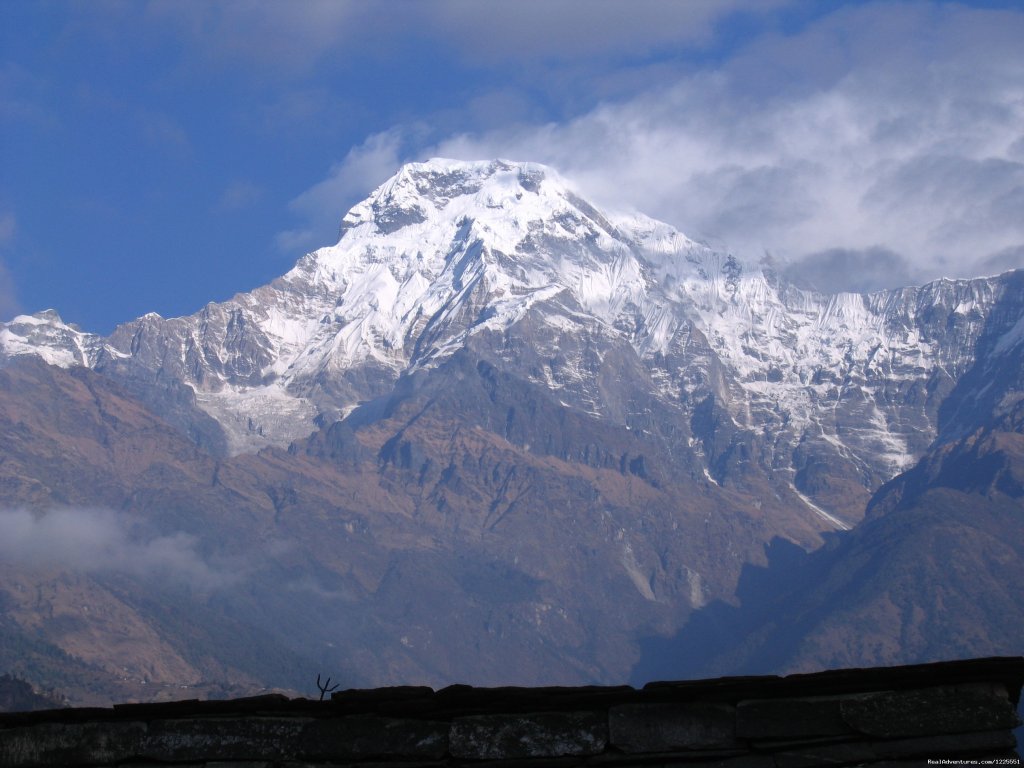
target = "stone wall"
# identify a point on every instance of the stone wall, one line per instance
(888, 716)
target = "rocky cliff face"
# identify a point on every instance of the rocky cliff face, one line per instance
(930, 573)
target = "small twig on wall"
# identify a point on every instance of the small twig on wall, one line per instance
(326, 687)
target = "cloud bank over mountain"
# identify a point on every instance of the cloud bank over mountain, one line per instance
(878, 129)
(241, 132)
(98, 541)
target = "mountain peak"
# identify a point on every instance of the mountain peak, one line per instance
(46, 335)
(419, 190)
(441, 179)
(447, 234)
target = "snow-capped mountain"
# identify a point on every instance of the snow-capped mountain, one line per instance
(496, 435)
(815, 389)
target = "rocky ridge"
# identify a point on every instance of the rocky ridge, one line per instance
(831, 395)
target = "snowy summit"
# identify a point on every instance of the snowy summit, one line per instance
(447, 254)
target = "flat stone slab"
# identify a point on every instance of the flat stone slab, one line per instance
(252, 738)
(930, 711)
(638, 728)
(369, 736)
(545, 734)
(790, 718)
(52, 744)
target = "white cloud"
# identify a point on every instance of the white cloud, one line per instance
(294, 37)
(321, 207)
(858, 271)
(289, 37)
(1006, 259)
(908, 141)
(93, 541)
(884, 128)
(495, 31)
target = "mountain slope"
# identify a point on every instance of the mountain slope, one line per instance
(417, 546)
(114, 549)
(932, 573)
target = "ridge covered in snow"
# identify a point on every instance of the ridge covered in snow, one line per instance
(449, 253)
(46, 335)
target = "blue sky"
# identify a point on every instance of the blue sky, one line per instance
(158, 155)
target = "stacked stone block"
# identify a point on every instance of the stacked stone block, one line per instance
(896, 716)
